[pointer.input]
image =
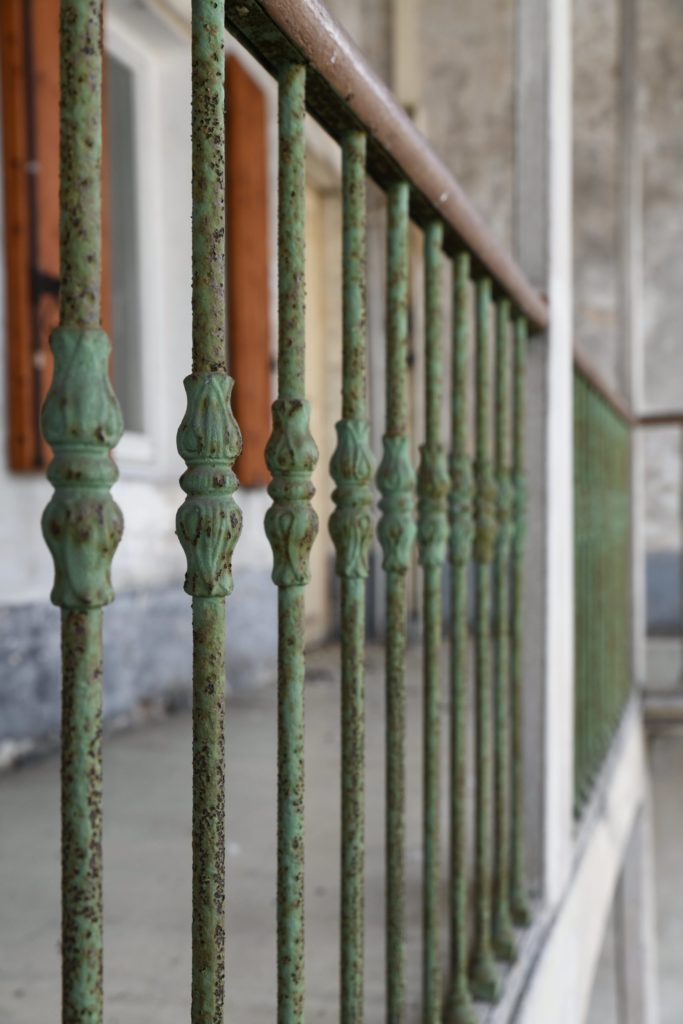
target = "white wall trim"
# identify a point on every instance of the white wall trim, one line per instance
(560, 985)
(145, 450)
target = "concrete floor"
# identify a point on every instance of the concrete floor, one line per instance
(666, 765)
(147, 866)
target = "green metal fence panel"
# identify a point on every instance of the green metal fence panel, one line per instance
(351, 528)
(82, 525)
(465, 512)
(208, 522)
(396, 531)
(460, 1008)
(602, 557)
(432, 487)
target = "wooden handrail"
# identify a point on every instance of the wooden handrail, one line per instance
(343, 93)
(667, 418)
(587, 370)
(662, 419)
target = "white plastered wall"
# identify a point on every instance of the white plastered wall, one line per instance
(154, 39)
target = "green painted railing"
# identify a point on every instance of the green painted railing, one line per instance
(467, 507)
(602, 554)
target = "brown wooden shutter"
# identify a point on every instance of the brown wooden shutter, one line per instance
(247, 271)
(29, 54)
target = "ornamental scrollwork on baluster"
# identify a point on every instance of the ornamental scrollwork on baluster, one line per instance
(520, 501)
(81, 420)
(461, 510)
(396, 481)
(291, 522)
(352, 467)
(485, 501)
(506, 509)
(432, 486)
(209, 521)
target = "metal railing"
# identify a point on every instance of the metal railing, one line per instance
(663, 683)
(603, 586)
(465, 509)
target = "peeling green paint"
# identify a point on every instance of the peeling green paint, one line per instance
(432, 488)
(352, 468)
(519, 904)
(504, 942)
(291, 526)
(82, 524)
(484, 977)
(396, 532)
(209, 522)
(459, 1007)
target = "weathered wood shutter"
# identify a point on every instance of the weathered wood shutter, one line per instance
(247, 272)
(29, 56)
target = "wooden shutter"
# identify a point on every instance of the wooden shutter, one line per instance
(247, 270)
(29, 56)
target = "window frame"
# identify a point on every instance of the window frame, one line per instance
(142, 451)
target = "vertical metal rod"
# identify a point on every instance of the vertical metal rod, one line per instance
(503, 932)
(591, 487)
(82, 525)
(432, 534)
(208, 523)
(579, 558)
(484, 977)
(351, 525)
(291, 526)
(82, 816)
(460, 1009)
(396, 531)
(518, 898)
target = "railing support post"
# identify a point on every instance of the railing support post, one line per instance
(352, 468)
(82, 525)
(432, 486)
(291, 526)
(208, 523)
(396, 530)
(460, 510)
(503, 933)
(518, 899)
(484, 977)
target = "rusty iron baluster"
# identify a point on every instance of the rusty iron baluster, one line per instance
(591, 719)
(601, 657)
(352, 469)
(208, 523)
(579, 604)
(432, 534)
(484, 977)
(291, 526)
(626, 560)
(460, 1007)
(518, 898)
(503, 933)
(396, 530)
(82, 525)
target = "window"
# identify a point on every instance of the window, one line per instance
(135, 261)
(125, 263)
(29, 65)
